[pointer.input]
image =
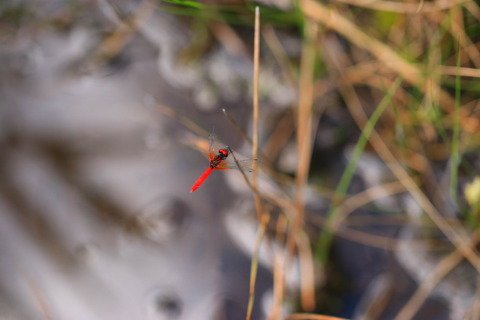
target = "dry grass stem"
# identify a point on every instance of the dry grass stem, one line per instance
(362, 198)
(372, 240)
(254, 265)
(460, 71)
(307, 271)
(263, 217)
(281, 229)
(256, 72)
(311, 316)
(278, 287)
(402, 7)
(304, 145)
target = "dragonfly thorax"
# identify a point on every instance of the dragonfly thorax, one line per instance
(222, 155)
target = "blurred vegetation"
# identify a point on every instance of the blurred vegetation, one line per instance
(407, 76)
(404, 77)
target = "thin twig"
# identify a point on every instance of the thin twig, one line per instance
(254, 264)
(304, 145)
(311, 316)
(256, 68)
(402, 7)
(307, 270)
(361, 199)
(262, 216)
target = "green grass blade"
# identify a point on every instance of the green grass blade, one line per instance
(187, 3)
(455, 160)
(325, 239)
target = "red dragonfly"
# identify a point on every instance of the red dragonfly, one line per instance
(219, 161)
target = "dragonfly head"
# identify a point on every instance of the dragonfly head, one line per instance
(223, 153)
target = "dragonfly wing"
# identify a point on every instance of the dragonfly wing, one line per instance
(212, 138)
(245, 165)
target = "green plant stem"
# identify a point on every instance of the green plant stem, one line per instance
(455, 159)
(325, 239)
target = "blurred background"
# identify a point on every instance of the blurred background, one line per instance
(366, 202)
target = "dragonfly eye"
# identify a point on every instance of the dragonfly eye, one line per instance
(223, 152)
